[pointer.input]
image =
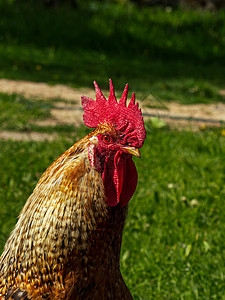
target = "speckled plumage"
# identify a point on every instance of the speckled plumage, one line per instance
(66, 243)
(64, 233)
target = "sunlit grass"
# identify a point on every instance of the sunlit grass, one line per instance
(17, 112)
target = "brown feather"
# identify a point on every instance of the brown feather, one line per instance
(66, 243)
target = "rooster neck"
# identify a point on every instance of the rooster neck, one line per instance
(65, 228)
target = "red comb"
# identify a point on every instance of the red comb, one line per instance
(128, 120)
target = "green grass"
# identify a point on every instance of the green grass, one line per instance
(17, 112)
(173, 247)
(177, 55)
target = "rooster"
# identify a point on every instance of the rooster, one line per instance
(66, 243)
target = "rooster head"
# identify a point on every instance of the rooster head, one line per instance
(119, 134)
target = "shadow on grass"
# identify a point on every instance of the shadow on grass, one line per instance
(152, 49)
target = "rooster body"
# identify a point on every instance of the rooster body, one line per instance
(66, 243)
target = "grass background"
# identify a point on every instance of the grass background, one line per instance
(172, 54)
(173, 244)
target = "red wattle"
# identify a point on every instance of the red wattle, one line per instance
(120, 179)
(130, 181)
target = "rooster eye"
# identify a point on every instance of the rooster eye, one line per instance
(106, 139)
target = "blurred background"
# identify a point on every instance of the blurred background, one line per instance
(172, 55)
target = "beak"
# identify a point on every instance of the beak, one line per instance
(131, 150)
